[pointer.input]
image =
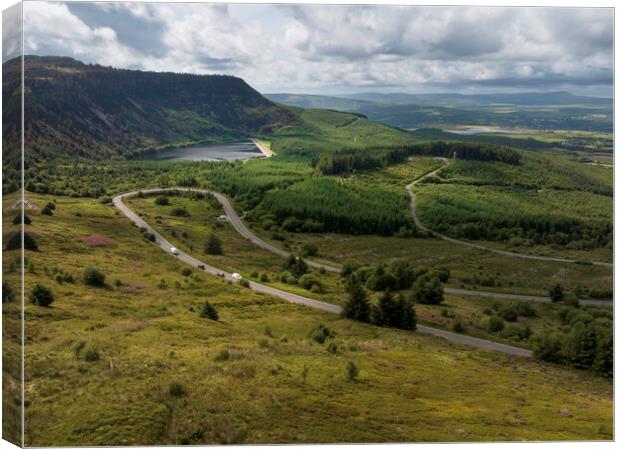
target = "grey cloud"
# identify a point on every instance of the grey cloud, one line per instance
(11, 32)
(140, 34)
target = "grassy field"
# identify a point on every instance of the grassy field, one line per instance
(156, 378)
(188, 233)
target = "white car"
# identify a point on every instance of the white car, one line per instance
(174, 251)
(237, 277)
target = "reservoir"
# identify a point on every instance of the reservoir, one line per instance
(210, 152)
(490, 129)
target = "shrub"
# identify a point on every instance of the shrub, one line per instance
(7, 293)
(47, 211)
(105, 200)
(331, 346)
(177, 389)
(296, 265)
(162, 200)
(308, 280)
(427, 290)
(150, 237)
(309, 250)
(93, 277)
(179, 212)
(556, 293)
(244, 283)
(222, 356)
(514, 332)
(186, 271)
(213, 245)
(209, 311)
(320, 333)
(508, 313)
(263, 343)
(292, 280)
(41, 295)
(15, 242)
(18, 219)
(51, 206)
(457, 326)
(264, 277)
(349, 267)
(254, 274)
(92, 355)
(352, 371)
(494, 324)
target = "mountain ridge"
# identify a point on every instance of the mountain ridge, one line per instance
(92, 111)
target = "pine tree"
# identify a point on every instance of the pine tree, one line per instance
(213, 245)
(556, 293)
(357, 306)
(208, 311)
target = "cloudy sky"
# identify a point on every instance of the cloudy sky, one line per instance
(332, 49)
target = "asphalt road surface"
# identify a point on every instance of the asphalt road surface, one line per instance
(291, 297)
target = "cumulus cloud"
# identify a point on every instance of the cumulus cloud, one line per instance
(329, 49)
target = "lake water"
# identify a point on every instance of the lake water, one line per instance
(210, 152)
(490, 129)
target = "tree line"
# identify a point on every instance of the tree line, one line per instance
(348, 160)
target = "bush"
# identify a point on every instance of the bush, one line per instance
(105, 200)
(222, 356)
(349, 267)
(308, 280)
(51, 205)
(177, 389)
(556, 293)
(508, 313)
(186, 271)
(494, 324)
(93, 277)
(179, 212)
(213, 245)
(162, 200)
(296, 265)
(457, 326)
(15, 242)
(352, 372)
(244, 283)
(331, 346)
(309, 250)
(264, 277)
(427, 290)
(92, 355)
(321, 333)
(47, 211)
(514, 332)
(41, 295)
(7, 293)
(209, 311)
(254, 274)
(18, 219)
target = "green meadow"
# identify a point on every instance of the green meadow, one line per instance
(132, 362)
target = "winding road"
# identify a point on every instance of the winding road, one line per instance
(287, 296)
(419, 224)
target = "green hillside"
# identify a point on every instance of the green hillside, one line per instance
(90, 111)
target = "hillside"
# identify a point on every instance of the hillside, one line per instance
(538, 111)
(75, 109)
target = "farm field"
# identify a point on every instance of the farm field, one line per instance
(95, 375)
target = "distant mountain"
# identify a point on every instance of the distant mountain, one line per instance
(557, 110)
(75, 109)
(467, 101)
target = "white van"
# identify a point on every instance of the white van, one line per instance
(237, 277)
(174, 251)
